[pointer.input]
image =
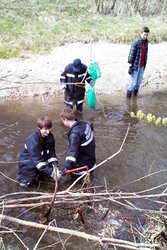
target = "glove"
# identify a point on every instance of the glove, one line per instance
(130, 70)
(63, 171)
(55, 173)
(63, 86)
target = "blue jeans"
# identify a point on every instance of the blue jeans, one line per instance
(136, 79)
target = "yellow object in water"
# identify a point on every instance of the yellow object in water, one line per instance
(132, 114)
(149, 118)
(164, 121)
(158, 121)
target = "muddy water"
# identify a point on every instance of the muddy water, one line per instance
(144, 150)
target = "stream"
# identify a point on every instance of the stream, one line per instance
(144, 152)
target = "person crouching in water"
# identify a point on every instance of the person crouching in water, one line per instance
(38, 158)
(81, 149)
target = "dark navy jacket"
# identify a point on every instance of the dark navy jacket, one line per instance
(81, 150)
(38, 155)
(75, 93)
(135, 53)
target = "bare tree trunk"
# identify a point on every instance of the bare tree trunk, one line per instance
(126, 7)
(113, 5)
(164, 8)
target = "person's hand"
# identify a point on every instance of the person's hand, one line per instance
(62, 172)
(130, 70)
(55, 173)
(63, 86)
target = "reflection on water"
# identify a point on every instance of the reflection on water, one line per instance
(144, 151)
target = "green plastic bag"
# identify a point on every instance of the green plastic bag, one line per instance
(91, 97)
(94, 71)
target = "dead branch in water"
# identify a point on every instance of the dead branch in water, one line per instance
(110, 241)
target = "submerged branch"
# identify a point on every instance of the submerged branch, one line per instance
(110, 241)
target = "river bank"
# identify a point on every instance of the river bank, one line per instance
(40, 75)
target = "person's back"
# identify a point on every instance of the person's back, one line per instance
(81, 150)
(82, 133)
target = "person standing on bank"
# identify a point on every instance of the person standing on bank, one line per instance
(38, 158)
(81, 150)
(74, 76)
(137, 60)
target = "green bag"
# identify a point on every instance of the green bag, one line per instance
(94, 71)
(91, 97)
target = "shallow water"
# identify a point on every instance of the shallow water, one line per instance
(144, 150)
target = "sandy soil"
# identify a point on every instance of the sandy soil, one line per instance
(40, 74)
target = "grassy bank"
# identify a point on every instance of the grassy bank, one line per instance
(35, 26)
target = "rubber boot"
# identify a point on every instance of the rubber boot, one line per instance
(135, 92)
(129, 94)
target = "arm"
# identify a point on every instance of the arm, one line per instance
(146, 54)
(63, 77)
(87, 77)
(73, 151)
(36, 158)
(51, 157)
(132, 52)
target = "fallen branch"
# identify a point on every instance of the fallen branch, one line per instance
(44, 217)
(110, 241)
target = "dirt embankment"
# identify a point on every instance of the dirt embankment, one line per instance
(40, 74)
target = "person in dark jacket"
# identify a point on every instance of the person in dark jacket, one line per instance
(74, 76)
(38, 157)
(81, 150)
(137, 62)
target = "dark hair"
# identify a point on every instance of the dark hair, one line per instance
(145, 29)
(68, 114)
(44, 122)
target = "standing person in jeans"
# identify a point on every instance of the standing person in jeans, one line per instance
(74, 76)
(137, 60)
(81, 149)
(38, 158)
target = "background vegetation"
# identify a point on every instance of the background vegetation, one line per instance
(36, 26)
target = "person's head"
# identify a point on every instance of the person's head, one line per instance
(144, 33)
(76, 65)
(45, 125)
(67, 117)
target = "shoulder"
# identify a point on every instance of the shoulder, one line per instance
(76, 128)
(68, 67)
(136, 41)
(84, 67)
(50, 137)
(33, 138)
(81, 126)
(33, 135)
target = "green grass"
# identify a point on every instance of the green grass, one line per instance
(8, 247)
(29, 27)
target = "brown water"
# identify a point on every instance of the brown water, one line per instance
(144, 150)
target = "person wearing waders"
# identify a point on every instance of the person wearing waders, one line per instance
(38, 158)
(74, 76)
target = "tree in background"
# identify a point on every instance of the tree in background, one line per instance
(131, 7)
